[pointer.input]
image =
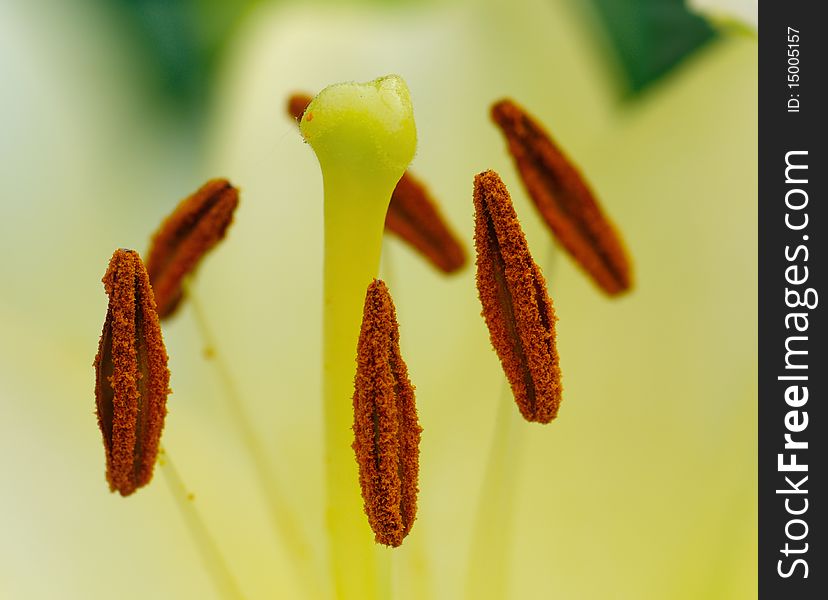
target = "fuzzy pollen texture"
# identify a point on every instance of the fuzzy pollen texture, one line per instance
(564, 199)
(197, 224)
(132, 379)
(516, 306)
(386, 429)
(414, 216)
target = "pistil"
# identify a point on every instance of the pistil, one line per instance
(364, 138)
(413, 215)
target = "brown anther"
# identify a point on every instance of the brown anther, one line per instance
(198, 223)
(132, 379)
(297, 104)
(412, 215)
(386, 431)
(564, 199)
(516, 305)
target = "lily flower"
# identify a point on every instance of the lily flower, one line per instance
(643, 485)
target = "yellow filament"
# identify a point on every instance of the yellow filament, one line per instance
(212, 559)
(286, 525)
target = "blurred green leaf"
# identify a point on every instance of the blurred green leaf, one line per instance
(181, 40)
(165, 32)
(650, 37)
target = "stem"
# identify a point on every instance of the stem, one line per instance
(385, 562)
(352, 252)
(210, 556)
(492, 539)
(419, 582)
(364, 137)
(387, 271)
(489, 560)
(284, 521)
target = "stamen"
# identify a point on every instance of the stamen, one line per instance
(132, 380)
(197, 224)
(386, 430)
(516, 306)
(564, 199)
(214, 563)
(413, 215)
